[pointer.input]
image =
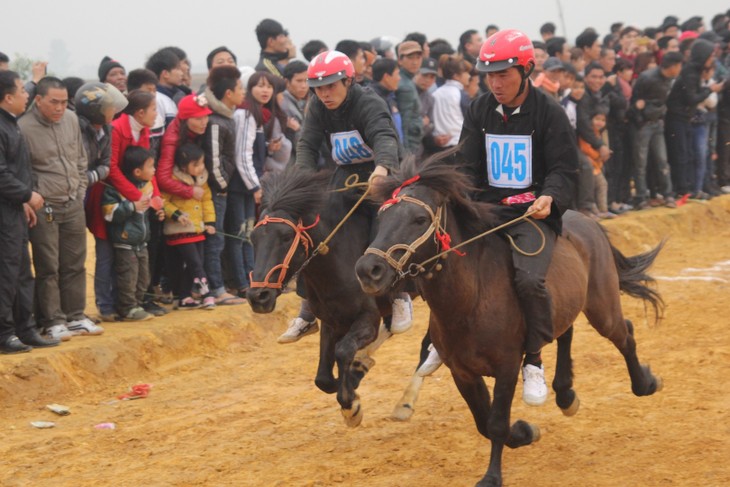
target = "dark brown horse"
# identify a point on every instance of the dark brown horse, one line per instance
(476, 323)
(298, 213)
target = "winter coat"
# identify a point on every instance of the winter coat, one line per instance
(409, 106)
(98, 150)
(687, 91)
(219, 144)
(121, 139)
(126, 227)
(200, 213)
(165, 179)
(546, 135)
(16, 179)
(57, 155)
(362, 116)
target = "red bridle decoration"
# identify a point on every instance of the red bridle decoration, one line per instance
(301, 235)
(445, 241)
(394, 197)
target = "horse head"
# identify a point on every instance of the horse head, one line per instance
(412, 222)
(281, 238)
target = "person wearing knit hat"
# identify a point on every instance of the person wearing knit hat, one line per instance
(112, 72)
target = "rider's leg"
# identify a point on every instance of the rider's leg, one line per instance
(305, 323)
(530, 272)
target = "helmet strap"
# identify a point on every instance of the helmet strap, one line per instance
(525, 77)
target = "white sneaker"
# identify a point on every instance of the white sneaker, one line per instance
(534, 388)
(402, 315)
(58, 332)
(725, 189)
(84, 326)
(431, 364)
(298, 328)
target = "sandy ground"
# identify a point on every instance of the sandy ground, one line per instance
(230, 407)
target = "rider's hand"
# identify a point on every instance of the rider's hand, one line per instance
(378, 173)
(541, 207)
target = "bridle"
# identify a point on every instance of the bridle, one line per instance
(300, 237)
(441, 237)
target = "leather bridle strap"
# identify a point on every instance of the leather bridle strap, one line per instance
(301, 236)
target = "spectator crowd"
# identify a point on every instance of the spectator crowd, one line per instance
(166, 176)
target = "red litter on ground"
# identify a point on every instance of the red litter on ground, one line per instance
(139, 391)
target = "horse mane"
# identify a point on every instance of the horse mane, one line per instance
(295, 192)
(443, 174)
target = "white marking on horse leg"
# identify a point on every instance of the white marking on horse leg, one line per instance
(407, 404)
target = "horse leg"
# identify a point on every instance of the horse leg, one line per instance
(325, 379)
(643, 382)
(361, 334)
(565, 396)
(405, 407)
(611, 324)
(519, 434)
(363, 361)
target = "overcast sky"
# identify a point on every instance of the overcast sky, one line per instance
(74, 35)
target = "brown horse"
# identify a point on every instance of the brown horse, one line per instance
(476, 323)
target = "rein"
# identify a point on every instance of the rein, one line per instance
(441, 237)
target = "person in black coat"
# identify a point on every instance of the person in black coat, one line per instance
(18, 204)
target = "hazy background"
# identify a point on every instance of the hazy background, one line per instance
(74, 35)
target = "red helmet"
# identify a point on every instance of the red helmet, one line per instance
(505, 49)
(328, 67)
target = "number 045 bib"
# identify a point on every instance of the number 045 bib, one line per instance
(509, 160)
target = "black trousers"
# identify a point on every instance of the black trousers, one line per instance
(17, 284)
(185, 262)
(530, 275)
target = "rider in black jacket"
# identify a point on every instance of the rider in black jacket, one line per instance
(520, 151)
(356, 127)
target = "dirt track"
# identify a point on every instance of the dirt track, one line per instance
(231, 407)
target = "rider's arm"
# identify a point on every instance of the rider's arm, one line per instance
(380, 131)
(312, 136)
(471, 141)
(561, 156)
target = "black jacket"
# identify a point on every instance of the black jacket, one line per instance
(269, 61)
(362, 111)
(16, 180)
(652, 87)
(587, 107)
(687, 91)
(219, 144)
(98, 150)
(554, 150)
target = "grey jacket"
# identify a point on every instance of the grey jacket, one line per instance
(57, 156)
(409, 106)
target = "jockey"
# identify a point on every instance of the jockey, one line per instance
(520, 151)
(358, 131)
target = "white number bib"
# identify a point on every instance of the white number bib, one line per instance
(509, 160)
(349, 148)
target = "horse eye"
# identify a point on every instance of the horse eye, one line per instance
(421, 220)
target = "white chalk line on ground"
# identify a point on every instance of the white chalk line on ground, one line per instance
(718, 272)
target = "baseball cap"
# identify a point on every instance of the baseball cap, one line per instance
(408, 47)
(553, 64)
(429, 66)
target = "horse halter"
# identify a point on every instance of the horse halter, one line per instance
(300, 236)
(409, 250)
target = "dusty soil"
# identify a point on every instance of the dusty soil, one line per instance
(230, 407)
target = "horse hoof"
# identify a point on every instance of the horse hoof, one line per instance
(402, 412)
(353, 416)
(573, 408)
(659, 383)
(535, 432)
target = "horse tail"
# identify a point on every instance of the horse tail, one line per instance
(633, 279)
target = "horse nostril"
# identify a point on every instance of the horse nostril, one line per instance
(376, 271)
